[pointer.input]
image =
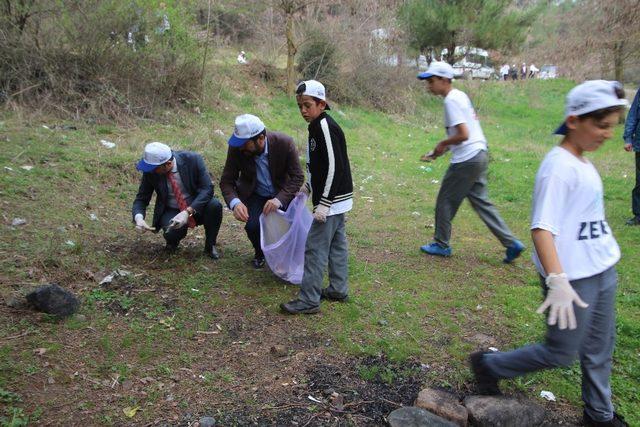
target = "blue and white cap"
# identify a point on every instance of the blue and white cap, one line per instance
(437, 68)
(246, 127)
(312, 88)
(155, 154)
(590, 96)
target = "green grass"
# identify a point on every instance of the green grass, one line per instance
(403, 304)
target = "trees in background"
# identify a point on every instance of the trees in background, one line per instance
(432, 25)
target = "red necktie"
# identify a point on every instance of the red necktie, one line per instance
(180, 198)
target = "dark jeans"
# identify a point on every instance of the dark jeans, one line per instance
(254, 205)
(635, 193)
(211, 218)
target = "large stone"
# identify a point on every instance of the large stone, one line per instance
(53, 299)
(443, 404)
(499, 411)
(410, 416)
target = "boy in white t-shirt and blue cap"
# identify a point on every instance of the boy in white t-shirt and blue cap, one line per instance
(466, 177)
(575, 254)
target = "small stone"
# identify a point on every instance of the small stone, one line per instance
(81, 317)
(93, 217)
(50, 380)
(443, 404)
(207, 422)
(410, 416)
(382, 322)
(279, 350)
(16, 301)
(486, 411)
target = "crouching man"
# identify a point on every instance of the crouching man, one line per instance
(184, 196)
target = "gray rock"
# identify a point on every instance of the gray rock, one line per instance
(53, 299)
(443, 404)
(500, 411)
(410, 416)
(207, 422)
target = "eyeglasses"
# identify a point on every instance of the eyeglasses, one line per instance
(302, 87)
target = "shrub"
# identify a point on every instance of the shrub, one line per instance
(367, 81)
(317, 58)
(102, 57)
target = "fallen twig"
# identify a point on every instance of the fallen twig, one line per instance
(17, 336)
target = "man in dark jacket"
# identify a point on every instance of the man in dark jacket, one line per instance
(632, 143)
(262, 174)
(184, 196)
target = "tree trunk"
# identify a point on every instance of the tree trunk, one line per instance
(618, 60)
(291, 52)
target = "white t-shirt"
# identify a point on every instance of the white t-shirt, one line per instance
(568, 202)
(458, 109)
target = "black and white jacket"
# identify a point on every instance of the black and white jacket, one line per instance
(328, 166)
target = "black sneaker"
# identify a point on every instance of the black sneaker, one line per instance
(633, 221)
(333, 295)
(486, 383)
(258, 262)
(299, 307)
(616, 421)
(212, 253)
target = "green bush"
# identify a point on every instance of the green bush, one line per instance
(318, 58)
(102, 57)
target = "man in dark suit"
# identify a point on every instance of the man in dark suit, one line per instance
(262, 174)
(184, 196)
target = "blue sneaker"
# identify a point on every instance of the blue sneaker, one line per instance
(435, 249)
(513, 251)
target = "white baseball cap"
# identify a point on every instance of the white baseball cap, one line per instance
(312, 88)
(590, 96)
(437, 68)
(246, 127)
(155, 154)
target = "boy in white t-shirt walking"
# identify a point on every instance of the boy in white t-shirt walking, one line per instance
(575, 254)
(467, 174)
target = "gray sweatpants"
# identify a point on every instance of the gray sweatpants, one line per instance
(592, 341)
(326, 244)
(468, 179)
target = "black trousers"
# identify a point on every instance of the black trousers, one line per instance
(254, 205)
(210, 217)
(635, 193)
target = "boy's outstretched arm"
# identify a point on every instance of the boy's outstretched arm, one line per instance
(561, 295)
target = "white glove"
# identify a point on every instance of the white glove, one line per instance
(305, 190)
(179, 220)
(141, 224)
(560, 299)
(321, 213)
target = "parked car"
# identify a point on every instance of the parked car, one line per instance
(548, 72)
(474, 63)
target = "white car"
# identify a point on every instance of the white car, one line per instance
(548, 72)
(473, 64)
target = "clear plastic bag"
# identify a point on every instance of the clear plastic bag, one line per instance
(283, 236)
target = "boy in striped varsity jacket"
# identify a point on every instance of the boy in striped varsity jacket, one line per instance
(329, 182)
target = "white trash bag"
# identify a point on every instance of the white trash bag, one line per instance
(282, 239)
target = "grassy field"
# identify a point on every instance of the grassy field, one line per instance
(184, 335)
